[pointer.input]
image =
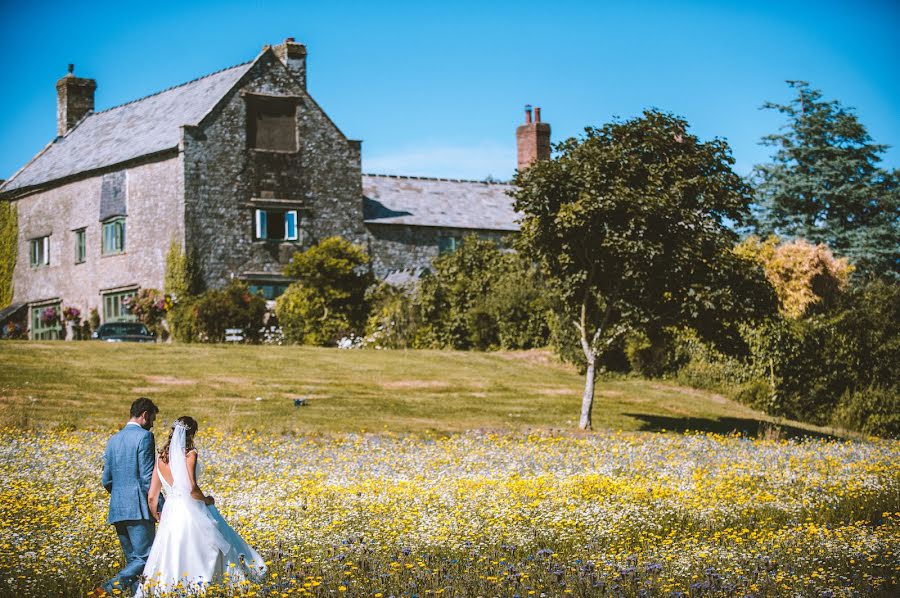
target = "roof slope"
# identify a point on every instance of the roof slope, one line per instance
(419, 201)
(129, 131)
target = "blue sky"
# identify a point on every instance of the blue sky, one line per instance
(437, 89)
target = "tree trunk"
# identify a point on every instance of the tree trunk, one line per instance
(590, 355)
(587, 399)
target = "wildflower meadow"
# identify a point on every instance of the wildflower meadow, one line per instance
(481, 514)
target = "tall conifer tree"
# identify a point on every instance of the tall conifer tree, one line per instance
(825, 185)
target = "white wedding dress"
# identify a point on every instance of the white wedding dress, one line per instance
(194, 545)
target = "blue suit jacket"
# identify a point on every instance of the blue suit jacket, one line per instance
(127, 469)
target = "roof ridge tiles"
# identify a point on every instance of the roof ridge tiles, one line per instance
(431, 178)
(148, 96)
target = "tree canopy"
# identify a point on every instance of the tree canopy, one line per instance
(327, 301)
(630, 225)
(824, 184)
(481, 296)
(803, 275)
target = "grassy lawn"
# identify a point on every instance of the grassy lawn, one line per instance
(89, 385)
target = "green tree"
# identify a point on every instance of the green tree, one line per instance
(394, 317)
(328, 299)
(481, 297)
(629, 224)
(824, 184)
(9, 235)
(181, 277)
(206, 317)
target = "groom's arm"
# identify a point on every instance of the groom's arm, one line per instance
(146, 454)
(107, 471)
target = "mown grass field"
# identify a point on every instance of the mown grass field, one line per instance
(89, 385)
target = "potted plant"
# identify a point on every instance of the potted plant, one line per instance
(72, 318)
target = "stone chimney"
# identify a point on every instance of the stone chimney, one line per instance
(293, 55)
(74, 99)
(532, 139)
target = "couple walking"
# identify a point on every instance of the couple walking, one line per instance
(194, 545)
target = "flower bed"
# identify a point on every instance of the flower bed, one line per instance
(481, 514)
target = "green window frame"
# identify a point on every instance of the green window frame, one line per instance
(40, 252)
(448, 244)
(80, 246)
(46, 332)
(269, 290)
(114, 236)
(114, 309)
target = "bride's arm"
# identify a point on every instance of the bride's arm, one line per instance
(153, 494)
(191, 459)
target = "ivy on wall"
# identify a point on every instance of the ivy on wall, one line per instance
(9, 229)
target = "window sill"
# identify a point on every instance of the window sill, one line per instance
(276, 241)
(273, 151)
(105, 255)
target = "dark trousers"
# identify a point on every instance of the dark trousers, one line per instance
(136, 538)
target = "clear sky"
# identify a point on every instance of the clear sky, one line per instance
(437, 88)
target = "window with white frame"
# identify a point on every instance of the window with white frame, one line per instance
(40, 251)
(276, 225)
(114, 236)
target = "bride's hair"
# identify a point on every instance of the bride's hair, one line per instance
(188, 422)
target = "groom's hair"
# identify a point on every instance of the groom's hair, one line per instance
(141, 405)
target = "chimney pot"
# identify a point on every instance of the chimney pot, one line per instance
(289, 40)
(537, 114)
(527, 113)
(71, 68)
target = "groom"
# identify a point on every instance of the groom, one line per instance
(127, 468)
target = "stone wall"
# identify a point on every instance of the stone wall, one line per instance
(226, 181)
(395, 247)
(154, 217)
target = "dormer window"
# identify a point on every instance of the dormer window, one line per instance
(272, 123)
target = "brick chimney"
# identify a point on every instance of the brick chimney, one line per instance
(74, 99)
(532, 139)
(293, 55)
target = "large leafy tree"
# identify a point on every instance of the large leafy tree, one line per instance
(481, 296)
(327, 301)
(824, 184)
(630, 226)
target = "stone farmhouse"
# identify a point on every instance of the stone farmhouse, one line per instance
(243, 167)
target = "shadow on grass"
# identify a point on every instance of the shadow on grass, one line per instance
(724, 425)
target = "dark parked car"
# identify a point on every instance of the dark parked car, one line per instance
(124, 332)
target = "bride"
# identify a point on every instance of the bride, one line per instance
(194, 545)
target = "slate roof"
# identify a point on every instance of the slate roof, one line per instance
(152, 124)
(451, 203)
(129, 131)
